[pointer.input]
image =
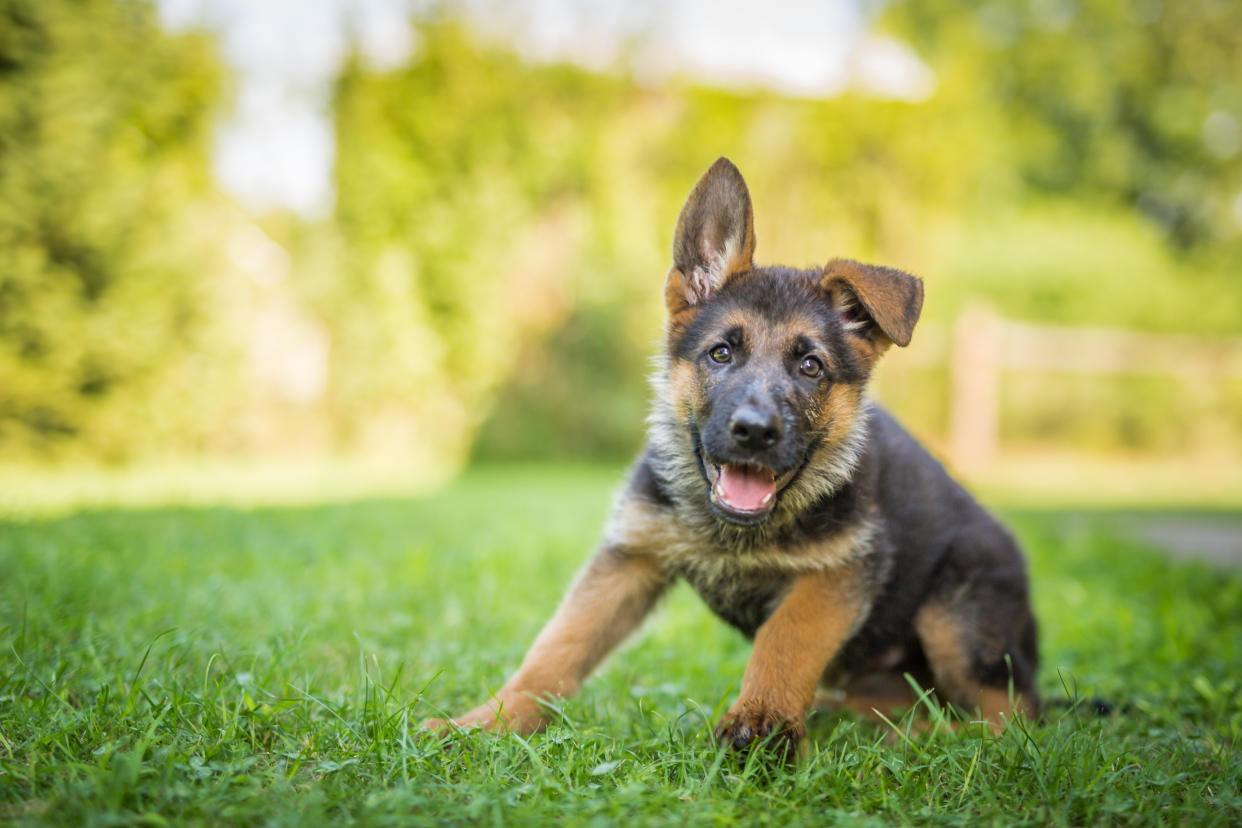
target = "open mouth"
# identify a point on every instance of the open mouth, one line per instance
(742, 492)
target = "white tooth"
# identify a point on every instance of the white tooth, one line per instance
(767, 498)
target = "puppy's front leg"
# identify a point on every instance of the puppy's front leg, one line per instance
(792, 649)
(615, 591)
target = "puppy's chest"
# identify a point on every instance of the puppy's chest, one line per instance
(741, 580)
(743, 596)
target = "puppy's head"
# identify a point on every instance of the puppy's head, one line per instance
(767, 365)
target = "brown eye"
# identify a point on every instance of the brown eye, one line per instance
(721, 354)
(812, 367)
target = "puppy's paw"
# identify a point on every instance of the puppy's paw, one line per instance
(438, 727)
(434, 725)
(519, 717)
(748, 724)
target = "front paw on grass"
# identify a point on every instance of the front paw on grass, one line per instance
(444, 729)
(780, 736)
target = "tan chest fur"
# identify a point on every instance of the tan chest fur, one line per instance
(740, 582)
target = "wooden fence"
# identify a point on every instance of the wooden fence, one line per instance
(983, 345)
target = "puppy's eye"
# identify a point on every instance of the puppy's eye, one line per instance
(811, 366)
(721, 354)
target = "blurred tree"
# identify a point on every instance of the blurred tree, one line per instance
(1137, 100)
(486, 204)
(491, 275)
(104, 127)
(455, 179)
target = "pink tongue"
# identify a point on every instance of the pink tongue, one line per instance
(744, 488)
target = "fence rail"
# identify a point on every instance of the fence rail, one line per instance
(983, 345)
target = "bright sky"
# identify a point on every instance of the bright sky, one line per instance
(277, 149)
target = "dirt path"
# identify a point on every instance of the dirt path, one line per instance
(1216, 539)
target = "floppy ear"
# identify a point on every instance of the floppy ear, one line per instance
(715, 238)
(878, 303)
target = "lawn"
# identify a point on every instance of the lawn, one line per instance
(167, 664)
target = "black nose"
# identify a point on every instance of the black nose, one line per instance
(755, 429)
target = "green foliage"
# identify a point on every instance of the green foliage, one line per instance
(1076, 265)
(453, 179)
(1139, 102)
(578, 393)
(104, 121)
(247, 665)
(495, 215)
(490, 280)
(530, 209)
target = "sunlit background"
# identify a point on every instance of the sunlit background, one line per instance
(428, 234)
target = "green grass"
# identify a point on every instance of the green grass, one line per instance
(224, 664)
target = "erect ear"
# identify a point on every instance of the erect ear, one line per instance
(879, 303)
(715, 238)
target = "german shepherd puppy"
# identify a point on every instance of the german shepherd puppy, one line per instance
(803, 514)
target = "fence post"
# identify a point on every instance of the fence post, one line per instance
(974, 405)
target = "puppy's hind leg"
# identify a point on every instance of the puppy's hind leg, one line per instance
(976, 668)
(873, 696)
(976, 628)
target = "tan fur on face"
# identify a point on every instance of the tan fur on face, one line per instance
(685, 389)
(839, 411)
(676, 464)
(836, 416)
